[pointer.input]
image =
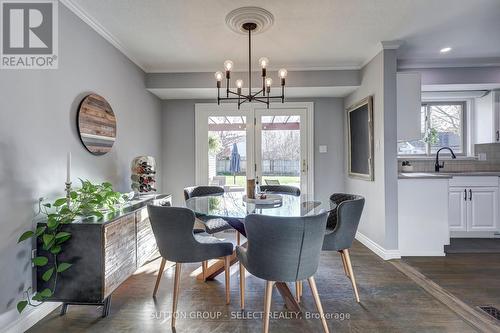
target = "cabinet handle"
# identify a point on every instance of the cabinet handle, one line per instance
(498, 135)
(465, 195)
(470, 195)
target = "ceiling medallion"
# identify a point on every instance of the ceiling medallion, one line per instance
(248, 21)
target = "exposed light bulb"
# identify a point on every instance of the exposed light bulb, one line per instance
(445, 50)
(263, 62)
(218, 76)
(228, 65)
(269, 82)
(239, 83)
(282, 73)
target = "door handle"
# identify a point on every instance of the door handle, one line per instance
(498, 135)
(470, 195)
(465, 195)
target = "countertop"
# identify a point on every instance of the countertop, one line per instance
(446, 175)
(128, 208)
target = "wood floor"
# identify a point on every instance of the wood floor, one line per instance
(473, 278)
(390, 302)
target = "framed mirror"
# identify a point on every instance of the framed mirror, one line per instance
(360, 139)
(96, 124)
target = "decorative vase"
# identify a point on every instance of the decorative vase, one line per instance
(143, 174)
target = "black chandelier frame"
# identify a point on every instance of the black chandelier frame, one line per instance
(263, 95)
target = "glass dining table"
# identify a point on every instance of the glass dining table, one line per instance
(233, 208)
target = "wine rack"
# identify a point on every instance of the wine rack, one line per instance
(143, 174)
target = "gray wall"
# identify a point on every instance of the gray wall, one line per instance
(37, 129)
(178, 169)
(379, 220)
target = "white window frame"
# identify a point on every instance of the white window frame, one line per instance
(467, 135)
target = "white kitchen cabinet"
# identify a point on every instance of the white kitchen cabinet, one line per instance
(483, 209)
(409, 101)
(457, 209)
(487, 118)
(473, 204)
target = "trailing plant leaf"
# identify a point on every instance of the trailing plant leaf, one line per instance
(47, 205)
(25, 236)
(37, 297)
(46, 293)
(61, 240)
(52, 223)
(40, 230)
(56, 249)
(59, 202)
(40, 261)
(63, 266)
(48, 274)
(62, 234)
(48, 240)
(21, 305)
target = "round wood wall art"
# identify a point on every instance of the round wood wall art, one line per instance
(96, 124)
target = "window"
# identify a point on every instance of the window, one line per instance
(442, 124)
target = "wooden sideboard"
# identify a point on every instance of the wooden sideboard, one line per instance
(104, 254)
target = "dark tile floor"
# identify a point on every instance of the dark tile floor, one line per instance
(390, 302)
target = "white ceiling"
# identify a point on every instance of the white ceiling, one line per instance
(182, 36)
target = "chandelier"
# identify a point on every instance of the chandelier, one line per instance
(263, 95)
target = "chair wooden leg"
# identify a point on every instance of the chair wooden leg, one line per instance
(160, 274)
(204, 267)
(297, 291)
(242, 286)
(227, 267)
(342, 256)
(315, 293)
(351, 273)
(267, 304)
(300, 288)
(178, 267)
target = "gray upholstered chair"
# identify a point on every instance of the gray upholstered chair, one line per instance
(341, 228)
(281, 189)
(283, 249)
(173, 230)
(212, 225)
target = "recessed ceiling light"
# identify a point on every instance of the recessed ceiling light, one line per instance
(445, 50)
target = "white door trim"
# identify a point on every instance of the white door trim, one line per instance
(201, 126)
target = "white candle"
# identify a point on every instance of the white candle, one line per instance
(68, 168)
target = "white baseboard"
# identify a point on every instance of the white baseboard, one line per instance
(377, 249)
(30, 317)
(423, 254)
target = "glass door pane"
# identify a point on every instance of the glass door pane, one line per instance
(280, 148)
(227, 152)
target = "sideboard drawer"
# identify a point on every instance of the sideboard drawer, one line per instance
(119, 252)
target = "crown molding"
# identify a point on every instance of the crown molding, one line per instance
(94, 24)
(391, 44)
(448, 63)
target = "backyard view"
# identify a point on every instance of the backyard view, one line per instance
(280, 150)
(441, 126)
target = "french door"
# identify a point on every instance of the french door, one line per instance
(273, 145)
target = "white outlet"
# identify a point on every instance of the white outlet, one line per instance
(33, 256)
(323, 149)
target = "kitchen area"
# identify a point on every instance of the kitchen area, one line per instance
(448, 191)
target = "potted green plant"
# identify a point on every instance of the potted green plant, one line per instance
(88, 200)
